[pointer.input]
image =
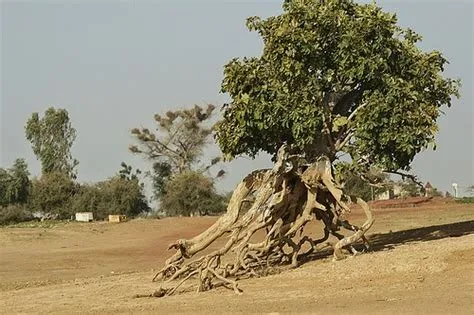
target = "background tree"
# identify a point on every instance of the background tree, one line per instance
(161, 173)
(335, 78)
(191, 193)
(178, 144)
(117, 195)
(410, 189)
(181, 138)
(120, 194)
(52, 195)
(52, 137)
(14, 184)
(367, 187)
(126, 172)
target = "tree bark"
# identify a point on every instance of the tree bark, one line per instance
(283, 200)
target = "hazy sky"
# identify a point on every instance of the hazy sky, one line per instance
(113, 65)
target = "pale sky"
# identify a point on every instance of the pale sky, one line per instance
(114, 64)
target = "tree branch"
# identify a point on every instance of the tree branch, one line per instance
(403, 175)
(327, 120)
(341, 144)
(352, 115)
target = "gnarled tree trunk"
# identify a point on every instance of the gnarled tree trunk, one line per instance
(282, 201)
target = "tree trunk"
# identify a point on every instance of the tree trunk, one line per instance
(282, 201)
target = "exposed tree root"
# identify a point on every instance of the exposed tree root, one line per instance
(282, 201)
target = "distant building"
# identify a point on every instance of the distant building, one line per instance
(393, 192)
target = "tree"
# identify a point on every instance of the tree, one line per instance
(116, 195)
(121, 194)
(335, 78)
(410, 188)
(191, 193)
(14, 184)
(161, 173)
(127, 172)
(52, 137)
(178, 145)
(52, 194)
(366, 187)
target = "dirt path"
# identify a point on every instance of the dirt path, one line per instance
(427, 267)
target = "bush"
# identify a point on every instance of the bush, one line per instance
(191, 193)
(114, 196)
(53, 194)
(14, 214)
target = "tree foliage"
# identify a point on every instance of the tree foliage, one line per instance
(410, 189)
(366, 185)
(52, 137)
(161, 173)
(117, 195)
(335, 76)
(53, 194)
(178, 144)
(14, 184)
(14, 213)
(180, 140)
(126, 172)
(191, 193)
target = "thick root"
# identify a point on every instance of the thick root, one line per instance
(280, 203)
(359, 234)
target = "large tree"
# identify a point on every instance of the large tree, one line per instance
(52, 137)
(335, 78)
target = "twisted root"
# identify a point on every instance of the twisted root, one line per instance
(282, 201)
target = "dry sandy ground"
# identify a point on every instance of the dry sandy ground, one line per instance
(422, 263)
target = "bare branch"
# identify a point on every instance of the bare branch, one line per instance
(412, 177)
(341, 144)
(352, 115)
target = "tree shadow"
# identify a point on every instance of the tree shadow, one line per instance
(388, 241)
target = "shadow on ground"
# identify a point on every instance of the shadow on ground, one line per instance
(429, 233)
(384, 241)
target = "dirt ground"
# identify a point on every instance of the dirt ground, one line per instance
(422, 263)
